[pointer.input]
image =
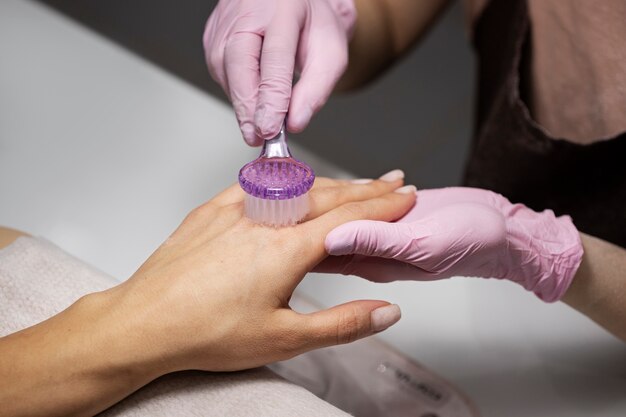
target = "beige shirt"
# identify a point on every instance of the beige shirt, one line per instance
(578, 66)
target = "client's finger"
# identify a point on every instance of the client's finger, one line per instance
(204, 214)
(324, 199)
(346, 323)
(388, 207)
(323, 182)
(391, 176)
(234, 193)
(231, 195)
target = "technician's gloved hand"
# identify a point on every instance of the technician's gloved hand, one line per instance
(253, 46)
(462, 232)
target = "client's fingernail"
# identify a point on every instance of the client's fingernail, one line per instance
(384, 317)
(391, 176)
(362, 181)
(407, 189)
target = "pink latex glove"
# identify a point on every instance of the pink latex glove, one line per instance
(462, 232)
(253, 46)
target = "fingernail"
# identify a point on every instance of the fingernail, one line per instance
(362, 181)
(391, 176)
(407, 189)
(384, 317)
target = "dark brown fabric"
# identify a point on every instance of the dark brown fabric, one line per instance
(514, 156)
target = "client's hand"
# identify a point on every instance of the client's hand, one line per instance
(215, 295)
(461, 232)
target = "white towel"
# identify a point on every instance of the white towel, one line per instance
(38, 280)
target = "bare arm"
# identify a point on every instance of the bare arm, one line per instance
(599, 287)
(384, 31)
(71, 364)
(7, 236)
(76, 363)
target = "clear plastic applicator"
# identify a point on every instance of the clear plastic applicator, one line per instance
(276, 185)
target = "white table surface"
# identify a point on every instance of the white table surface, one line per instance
(103, 154)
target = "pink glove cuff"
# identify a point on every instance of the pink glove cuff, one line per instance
(346, 12)
(546, 249)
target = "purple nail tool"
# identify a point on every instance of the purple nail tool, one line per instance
(276, 185)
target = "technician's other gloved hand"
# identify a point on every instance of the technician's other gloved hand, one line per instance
(253, 46)
(462, 232)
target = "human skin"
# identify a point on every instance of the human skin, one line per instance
(472, 232)
(253, 48)
(7, 236)
(571, 41)
(577, 77)
(214, 296)
(598, 289)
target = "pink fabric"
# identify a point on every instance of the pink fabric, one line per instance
(462, 232)
(253, 48)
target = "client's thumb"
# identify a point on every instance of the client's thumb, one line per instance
(351, 321)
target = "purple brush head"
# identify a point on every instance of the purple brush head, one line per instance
(276, 185)
(276, 178)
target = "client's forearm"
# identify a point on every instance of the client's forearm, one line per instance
(76, 363)
(599, 287)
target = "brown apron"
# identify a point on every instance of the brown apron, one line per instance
(515, 157)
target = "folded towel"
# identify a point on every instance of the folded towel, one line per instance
(38, 280)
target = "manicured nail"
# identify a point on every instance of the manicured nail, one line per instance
(384, 317)
(391, 176)
(407, 189)
(362, 181)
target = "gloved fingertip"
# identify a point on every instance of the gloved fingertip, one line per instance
(338, 242)
(267, 124)
(253, 141)
(335, 248)
(299, 120)
(249, 135)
